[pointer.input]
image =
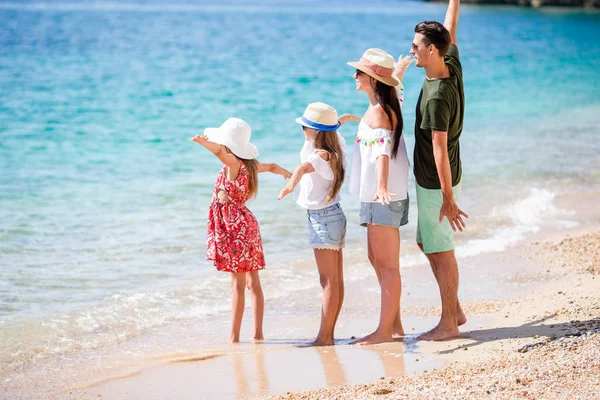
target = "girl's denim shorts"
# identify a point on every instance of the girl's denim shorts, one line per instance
(327, 228)
(394, 214)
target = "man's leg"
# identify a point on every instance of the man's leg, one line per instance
(436, 240)
(461, 318)
(445, 269)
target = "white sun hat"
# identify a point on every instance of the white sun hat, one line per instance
(319, 116)
(235, 134)
(378, 65)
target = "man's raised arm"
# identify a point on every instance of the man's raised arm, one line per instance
(451, 21)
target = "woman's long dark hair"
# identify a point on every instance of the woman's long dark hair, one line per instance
(329, 142)
(387, 96)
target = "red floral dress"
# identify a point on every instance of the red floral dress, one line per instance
(234, 242)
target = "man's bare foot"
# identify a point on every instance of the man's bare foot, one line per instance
(438, 333)
(373, 338)
(461, 318)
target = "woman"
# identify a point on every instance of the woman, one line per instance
(379, 177)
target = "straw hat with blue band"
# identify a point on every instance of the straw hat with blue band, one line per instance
(319, 116)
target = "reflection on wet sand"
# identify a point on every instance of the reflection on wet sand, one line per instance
(315, 367)
(392, 360)
(254, 370)
(258, 373)
(332, 367)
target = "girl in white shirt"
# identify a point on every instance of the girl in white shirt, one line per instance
(321, 174)
(379, 177)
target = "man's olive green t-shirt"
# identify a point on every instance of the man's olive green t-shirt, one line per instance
(441, 107)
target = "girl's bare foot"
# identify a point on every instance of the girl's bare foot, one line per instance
(320, 342)
(373, 338)
(259, 338)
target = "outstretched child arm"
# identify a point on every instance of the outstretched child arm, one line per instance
(226, 158)
(304, 168)
(274, 169)
(348, 118)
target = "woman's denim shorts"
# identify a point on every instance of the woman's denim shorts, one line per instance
(327, 228)
(394, 214)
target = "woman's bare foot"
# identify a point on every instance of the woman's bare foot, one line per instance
(398, 334)
(234, 338)
(440, 333)
(397, 331)
(373, 338)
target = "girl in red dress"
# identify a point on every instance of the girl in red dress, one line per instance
(234, 243)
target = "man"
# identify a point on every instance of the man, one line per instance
(438, 125)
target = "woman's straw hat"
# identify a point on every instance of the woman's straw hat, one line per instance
(235, 134)
(319, 116)
(378, 65)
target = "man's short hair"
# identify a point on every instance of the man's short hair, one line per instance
(435, 34)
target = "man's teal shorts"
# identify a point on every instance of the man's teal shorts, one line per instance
(435, 237)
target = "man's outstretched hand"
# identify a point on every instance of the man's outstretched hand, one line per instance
(454, 214)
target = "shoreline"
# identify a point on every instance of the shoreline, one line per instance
(502, 320)
(550, 350)
(104, 287)
(495, 293)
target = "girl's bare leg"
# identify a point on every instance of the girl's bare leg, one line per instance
(340, 270)
(258, 303)
(328, 273)
(238, 302)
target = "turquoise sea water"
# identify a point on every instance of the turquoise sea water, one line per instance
(103, 198)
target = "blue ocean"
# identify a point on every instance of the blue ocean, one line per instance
(104, 198)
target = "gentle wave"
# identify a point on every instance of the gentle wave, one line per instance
(517, 220)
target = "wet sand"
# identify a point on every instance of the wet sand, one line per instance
(545, 345)
(532, 331)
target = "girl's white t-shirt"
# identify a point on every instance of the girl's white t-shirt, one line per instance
(369, 145)
(314, 187)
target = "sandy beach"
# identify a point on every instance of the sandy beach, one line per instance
(545, 345)
(533, 332)
(105, 290)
